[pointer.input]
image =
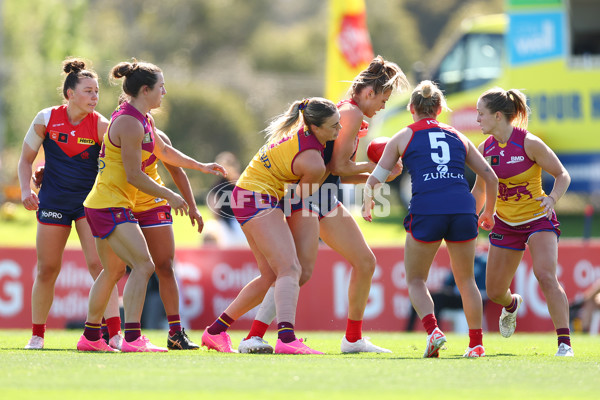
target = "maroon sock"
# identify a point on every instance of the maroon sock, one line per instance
(174, 324)
(513, 305)
(475, 337)
(429, 323)
(258, 328)
(133, 330)
(564, 336)
(285, 332)
(92, 332)
(104, 327)
(353, 330)
(38, 330)
(221, 324)
(114, 326)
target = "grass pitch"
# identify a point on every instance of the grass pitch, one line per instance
(522, 367)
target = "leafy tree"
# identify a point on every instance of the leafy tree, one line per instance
(37, 37)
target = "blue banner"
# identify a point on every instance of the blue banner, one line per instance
(535, 37)
(584, 170)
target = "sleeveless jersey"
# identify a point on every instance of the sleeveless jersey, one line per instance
(520, 179)
(111, 188)
(144, 201)
(271, 168)
(435, 159)
(328, 153)
(71, 153)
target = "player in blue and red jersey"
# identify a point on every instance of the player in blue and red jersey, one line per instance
(71, 135)
(525, 214)
(441, 207)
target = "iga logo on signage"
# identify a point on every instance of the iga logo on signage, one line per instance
(11, 288)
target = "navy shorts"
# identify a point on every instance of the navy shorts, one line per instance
(450, 227)
(49, 216)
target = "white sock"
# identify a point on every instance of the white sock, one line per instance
(267, 311)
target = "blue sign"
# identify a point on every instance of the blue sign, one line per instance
(535, 37)
(584, 169)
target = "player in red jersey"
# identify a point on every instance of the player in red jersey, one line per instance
(71, 135)
(525, 214)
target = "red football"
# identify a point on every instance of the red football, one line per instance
(376, 147)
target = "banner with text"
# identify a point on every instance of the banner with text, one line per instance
(210, 279)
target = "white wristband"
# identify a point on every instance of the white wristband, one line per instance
(380, 173)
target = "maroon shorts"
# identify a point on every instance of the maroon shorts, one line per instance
(516, 237)
(246, 204)
(157, 216)
(103, 221)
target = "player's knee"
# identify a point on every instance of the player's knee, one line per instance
(165, 269)
(115, 274)
(305, 276)
(495, 294)
(47, 272)
(95, 267)
(546, 280)
(145, 267)
(365, 264)
(292, 269)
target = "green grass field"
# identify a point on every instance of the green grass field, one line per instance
(522, 367)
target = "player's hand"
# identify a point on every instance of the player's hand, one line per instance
(178, 204)
(548, 203)
(213, 168)
(38, 176)
(195, 217)
(368, 203)
(396, 171)
(364, 129)
(30, 201)
(486, 220)
(367, 206)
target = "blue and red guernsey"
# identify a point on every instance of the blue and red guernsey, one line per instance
(520, 179)
(71, 153)
(435, 158)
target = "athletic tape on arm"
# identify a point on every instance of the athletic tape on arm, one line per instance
(32, 139)
(380, 173)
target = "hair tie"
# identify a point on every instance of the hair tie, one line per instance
(303, 105)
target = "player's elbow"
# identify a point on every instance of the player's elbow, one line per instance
(567, 178)
(491, 179)
(132, 178)
(338, 169)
